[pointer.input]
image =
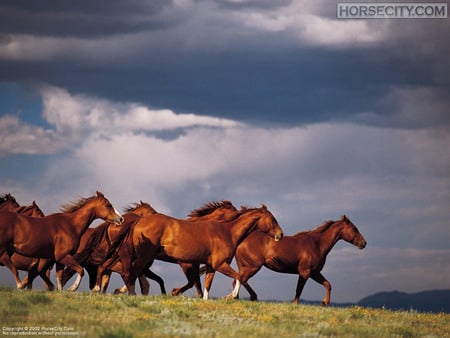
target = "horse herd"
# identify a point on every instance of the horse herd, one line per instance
(128, 244)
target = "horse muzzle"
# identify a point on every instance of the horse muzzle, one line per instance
(118, 220)
(361, 244)
(278, 236)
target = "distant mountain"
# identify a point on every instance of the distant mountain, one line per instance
(426, 301)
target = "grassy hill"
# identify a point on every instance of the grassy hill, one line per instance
(42, 313)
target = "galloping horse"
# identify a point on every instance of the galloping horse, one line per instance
(216, 211)
(55, 236)
(303, 254)
(98, 244)
(34, 266)
(207, 242)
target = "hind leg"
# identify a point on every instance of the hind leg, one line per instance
(5, 259)
(300, 285)
(319, 278)
(246, 273)
(72, 263)
(153, 276)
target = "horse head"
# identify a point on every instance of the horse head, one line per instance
(351, 234)
(8, 202)
(105, 210)
(267, 223)
(141, 209)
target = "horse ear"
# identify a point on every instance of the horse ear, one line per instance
(263, 206)
(99, 194)
(142, 203)
(34, 203)
(344, 218)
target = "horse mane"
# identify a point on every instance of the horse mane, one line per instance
(323, 227)
(74, 206)
(7, 197)
(320, 229)
(208, 208)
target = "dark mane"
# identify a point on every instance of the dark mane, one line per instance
(321, 228)
(71, 207)
(7, 197)
(208, 208)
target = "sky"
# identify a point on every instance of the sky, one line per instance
(178, 103)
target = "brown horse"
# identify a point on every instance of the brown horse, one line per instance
(35, 266)
(55, 236)
(98, 244)
(303, 254)
(213, 211)
(208, 242)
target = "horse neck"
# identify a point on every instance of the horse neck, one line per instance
(82, 218)
(329, 237)
(241, 227)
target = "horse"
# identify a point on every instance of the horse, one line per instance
(303, 254)
(208, 242)
(33, 266)
(218, 211)
(55, 236)
(98, 244)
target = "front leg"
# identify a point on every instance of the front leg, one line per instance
(209, 276)
(319, 278)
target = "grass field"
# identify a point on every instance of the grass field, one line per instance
(39, 313)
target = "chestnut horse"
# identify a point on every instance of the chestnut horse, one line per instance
(208, 242)
(98, 244)
(303, 254)
(55, 236)
(34, 266)
(218, 211)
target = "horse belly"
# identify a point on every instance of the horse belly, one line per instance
(187, 251)
(34, 248)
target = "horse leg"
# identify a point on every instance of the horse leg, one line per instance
(43, 269)
(153, 276)
(246, 273)
(72, 263)
(227, 270)
(319, 278)
(209, 276)
(5, 259)
(59, 276)
(193, 277)
(98, 287)
(92, 273)
(300, 285)
(144, 284)
(105, 280)
(137, 270)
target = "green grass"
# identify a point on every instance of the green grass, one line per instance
(93, 315)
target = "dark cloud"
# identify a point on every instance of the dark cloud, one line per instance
(86, 19)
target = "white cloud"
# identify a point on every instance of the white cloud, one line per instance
(73, 117)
